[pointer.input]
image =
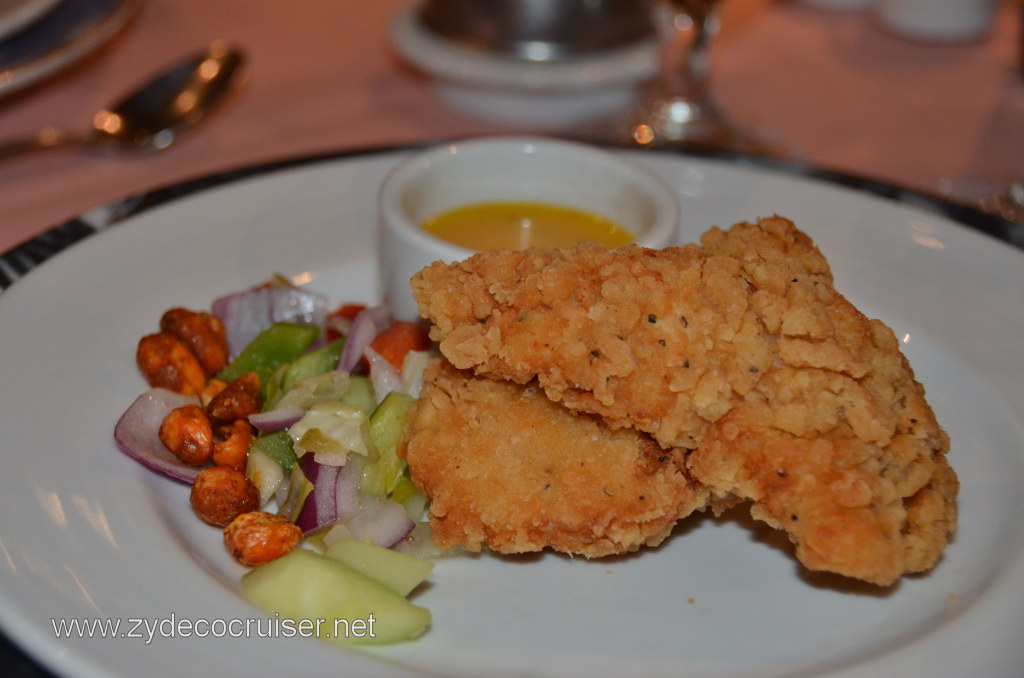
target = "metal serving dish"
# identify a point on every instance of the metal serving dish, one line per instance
(540, 30)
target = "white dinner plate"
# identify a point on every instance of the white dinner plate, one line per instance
(15, 15)
(59, 38)
(87, 533)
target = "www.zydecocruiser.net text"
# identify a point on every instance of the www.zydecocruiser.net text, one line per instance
(150, 629)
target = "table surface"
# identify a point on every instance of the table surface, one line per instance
(323, 78)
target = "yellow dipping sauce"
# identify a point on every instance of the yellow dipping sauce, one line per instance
(517, 225)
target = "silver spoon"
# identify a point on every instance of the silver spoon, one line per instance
(153, 115)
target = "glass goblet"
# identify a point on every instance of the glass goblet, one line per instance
(678, 109)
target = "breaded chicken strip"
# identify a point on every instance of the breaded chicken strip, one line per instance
(658, 340)
(836, 443)
(740, 350)
(504, 466)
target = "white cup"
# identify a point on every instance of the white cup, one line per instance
(937, 20)
(518, 169)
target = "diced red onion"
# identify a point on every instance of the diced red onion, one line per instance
(281, 496)
(383, 375)
(346, 495)
(413, 366)
(367, 324)
(276, 420)
(357, 340)
(419, 543)
(381, 315)
(137, 433)
(336, 499)
(381, 522)
(321, 507)
(246, 314)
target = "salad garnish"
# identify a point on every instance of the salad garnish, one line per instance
(286, 420)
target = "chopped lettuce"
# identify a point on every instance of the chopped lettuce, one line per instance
(332, 427)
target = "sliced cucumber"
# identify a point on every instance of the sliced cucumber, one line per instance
(311, 364)
(386, 426)
(398, 571)
(360, 393)
(333, 601)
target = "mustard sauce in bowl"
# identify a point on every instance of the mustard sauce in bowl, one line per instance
(518, 225)
(487, 182)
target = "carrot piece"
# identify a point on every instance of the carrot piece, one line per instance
(348, 311)
(400, 337)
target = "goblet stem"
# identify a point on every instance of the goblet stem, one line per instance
(679, 109)
(693, 25)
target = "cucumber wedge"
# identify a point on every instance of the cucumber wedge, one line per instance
(360, 393)
(386, 425)
(400, 572)
(341, 605)
(311, 364)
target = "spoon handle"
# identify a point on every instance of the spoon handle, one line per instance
(46, 139)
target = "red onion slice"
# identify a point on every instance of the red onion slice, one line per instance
(137, 433)
(381, 522)
(281, 496)
(346, 495)
(383, 375)
(246, 314)
(321, 507)
(419, 543)
(336, 499)
(413, 367)
(276, 420)
(367, 324)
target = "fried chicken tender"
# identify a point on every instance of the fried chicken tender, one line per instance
(657, 340)
(739, 350)
(505, 466)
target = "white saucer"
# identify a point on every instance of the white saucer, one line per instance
(16, 15)
(59, 38)
(553, 95)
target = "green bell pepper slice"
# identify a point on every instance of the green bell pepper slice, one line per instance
(279, 344)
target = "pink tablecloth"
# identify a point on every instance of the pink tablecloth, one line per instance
(323, 78)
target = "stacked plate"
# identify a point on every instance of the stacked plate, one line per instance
(530, 86)
(41, 37)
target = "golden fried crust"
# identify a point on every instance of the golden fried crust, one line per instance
(739, 349)
(643, 338)
(659, 340)
(504, 466)
(836, 443)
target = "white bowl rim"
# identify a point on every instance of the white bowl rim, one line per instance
(663, 230)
